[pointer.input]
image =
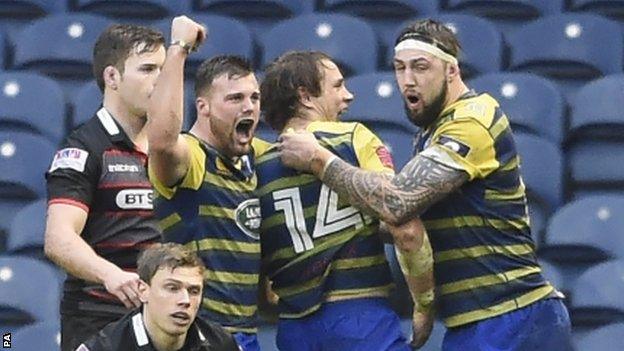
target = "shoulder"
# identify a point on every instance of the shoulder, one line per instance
(109, 338)
(215, 335)
(481, 108)
(333, 127)
(260, 146)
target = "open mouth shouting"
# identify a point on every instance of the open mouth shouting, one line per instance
(244, 129)
(413, 100)
(181, 318)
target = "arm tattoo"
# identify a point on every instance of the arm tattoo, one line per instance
(421, 183)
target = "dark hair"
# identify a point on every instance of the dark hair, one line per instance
(432, 32)
(117, 42)
(279, 98)
(209, 70)
(170, 255)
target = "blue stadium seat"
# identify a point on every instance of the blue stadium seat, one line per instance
(2, 50)
(59, 44)
(568, 46)
(382, 8)
(506, 8)
(553, 275)
(596, 111)
(86, 103)
(39, 336)
(29, 292)
(254, 8)
(27, 230)
(350, 41)
(598, 295)
(33, 103)
(225, 36)
(586, 230)
(377, 101)
(481, 42)
(607, 338)
(532, 103)
(610, 8)
(543, 184)
(29, 8)
(147, 9)
(595, 166)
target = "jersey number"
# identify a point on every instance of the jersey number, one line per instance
(329, 219)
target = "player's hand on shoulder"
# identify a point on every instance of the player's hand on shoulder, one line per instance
(125, 286)
(184, 29)
(298, 149)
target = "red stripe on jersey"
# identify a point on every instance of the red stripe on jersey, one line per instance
(67, 201)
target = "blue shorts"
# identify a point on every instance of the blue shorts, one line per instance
(362, 325)
(247, 341)
(543, 325)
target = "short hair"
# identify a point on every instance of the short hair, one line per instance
(169, 255)
(279, 97)
(116, 44)
(209, 70)
(432, 32)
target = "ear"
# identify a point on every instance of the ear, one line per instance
(305, 98)
(202, 106)
(144, 289)
(112, 77)
(452, 72)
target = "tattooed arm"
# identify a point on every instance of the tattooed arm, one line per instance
(421, 183)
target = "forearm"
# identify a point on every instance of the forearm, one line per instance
(166, 105)
(394, 200)
(68, 250)
(417, 268)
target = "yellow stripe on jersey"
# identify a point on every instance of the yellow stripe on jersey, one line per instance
(228, 245)
(499, 126)
(496, 310)
(169, 221)
(287, 182)
(194, 174)
(235, 185)
(483, 250)
(487, 280)
(230, 309)
(475, 221)
(302, 313)
(231, 277)
(502, 195)
(233, 330)
(511, 165)
(377, 291)
(216, 211)
(480, 108)
(260, 146)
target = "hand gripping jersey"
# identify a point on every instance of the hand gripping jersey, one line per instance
(316, 247)
(485, 264)
(214, 211)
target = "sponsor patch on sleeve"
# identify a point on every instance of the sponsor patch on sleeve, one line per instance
(71, 157)
(385, 156)
(454, 145)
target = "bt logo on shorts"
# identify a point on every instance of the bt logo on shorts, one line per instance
(135, 199)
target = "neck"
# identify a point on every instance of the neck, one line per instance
(302, 119)
(132, 125)
(161, 340)
(201, 129)
(456, 90)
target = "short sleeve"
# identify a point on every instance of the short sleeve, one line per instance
(73, 175)
(371, 152)
(194, 174)
(463, 144)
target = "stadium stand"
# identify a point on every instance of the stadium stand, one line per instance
(39, 336)
(30, 8)
(225, 36)
(524, 9)
(607, 338)
(349, 40)
(254, 8)
(533, 104)
(543, 184)
(382, 8)
(596, 303)
(611, 8)
(146, 9)
(26, 234)
(19, 91)
(23, 281)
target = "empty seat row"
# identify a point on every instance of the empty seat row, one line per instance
(561, 46)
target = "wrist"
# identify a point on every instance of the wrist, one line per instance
(181, 46)
(320, 160)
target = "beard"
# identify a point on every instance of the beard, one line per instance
(430, 112)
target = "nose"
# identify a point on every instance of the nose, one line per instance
(348, 96)
(408, 77)
(248, 104)
(184, 298)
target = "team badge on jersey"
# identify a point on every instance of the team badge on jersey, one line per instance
(454, 145)
(385, 156)
(248, 217)
(71, 157)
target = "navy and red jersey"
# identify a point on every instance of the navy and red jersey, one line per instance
(99, 169)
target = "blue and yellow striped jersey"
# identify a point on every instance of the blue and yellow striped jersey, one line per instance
(215, 212)
(316, 247)
(485, 263)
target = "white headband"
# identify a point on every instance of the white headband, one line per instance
(426, 47)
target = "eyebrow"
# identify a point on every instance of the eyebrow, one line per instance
(416, 60)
